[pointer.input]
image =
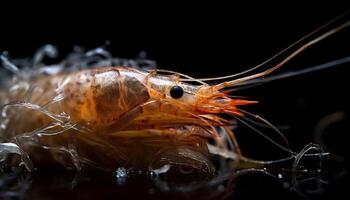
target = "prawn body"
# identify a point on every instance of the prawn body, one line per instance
(114, 116)
(113, 99)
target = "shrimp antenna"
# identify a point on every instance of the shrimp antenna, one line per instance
(327, 65)
(269, 124)
(265, 136)
(281, 52)
(295, 53)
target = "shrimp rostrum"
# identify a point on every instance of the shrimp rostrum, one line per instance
(108, 117)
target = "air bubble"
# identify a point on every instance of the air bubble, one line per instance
(121, 175)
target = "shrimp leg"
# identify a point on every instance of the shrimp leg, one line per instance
(175, 133)
(124, 120)
(42, 137)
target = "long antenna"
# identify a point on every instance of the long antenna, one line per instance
(307, 70)
(295, 53)
(281, 52)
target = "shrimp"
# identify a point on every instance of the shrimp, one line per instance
(108, 117)
(113, 105)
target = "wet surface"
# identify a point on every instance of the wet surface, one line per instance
(60, 184)
(65, 185)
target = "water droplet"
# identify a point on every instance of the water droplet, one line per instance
(151, 173)
(279, 176)
(121, 175)
(121, 172)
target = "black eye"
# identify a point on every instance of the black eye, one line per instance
(176, 92)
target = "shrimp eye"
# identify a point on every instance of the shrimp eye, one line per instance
(176, 92)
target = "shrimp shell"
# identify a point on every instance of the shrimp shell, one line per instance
(75, 119)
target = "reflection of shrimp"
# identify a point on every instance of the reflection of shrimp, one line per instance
(116, 116)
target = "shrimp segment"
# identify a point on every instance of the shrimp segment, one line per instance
(101, 96)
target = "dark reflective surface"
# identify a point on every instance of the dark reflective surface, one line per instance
(97, 185)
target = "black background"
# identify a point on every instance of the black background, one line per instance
(213, 40)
